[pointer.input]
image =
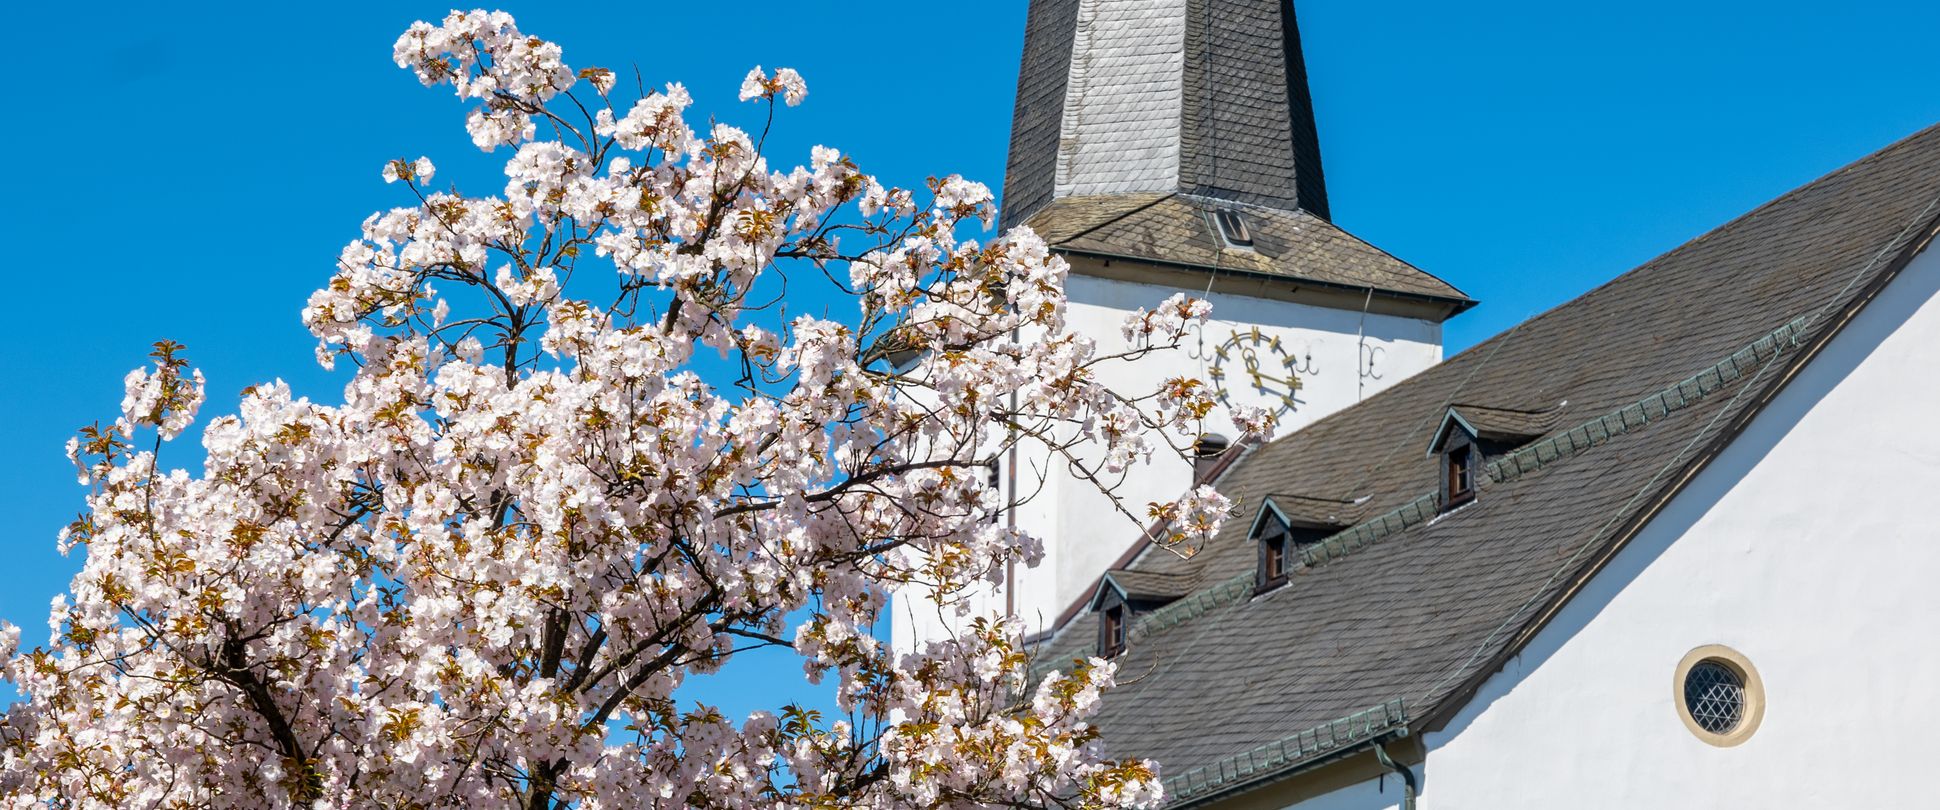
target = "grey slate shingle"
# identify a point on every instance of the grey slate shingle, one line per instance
(1242, 109)
(1031, 173)
(1248, 123)
(1309, 511)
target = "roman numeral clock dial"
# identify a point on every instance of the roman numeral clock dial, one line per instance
(1251, 361)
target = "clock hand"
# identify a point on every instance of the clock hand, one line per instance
(1252, 362)
(1292, 383)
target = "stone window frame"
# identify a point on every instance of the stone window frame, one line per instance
(1754, 710)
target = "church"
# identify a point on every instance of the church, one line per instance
(1665, 545)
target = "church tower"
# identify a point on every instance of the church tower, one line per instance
(1170, 145)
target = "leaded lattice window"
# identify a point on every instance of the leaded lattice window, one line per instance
(1715, 696)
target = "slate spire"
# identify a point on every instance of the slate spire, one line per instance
(1205, 97)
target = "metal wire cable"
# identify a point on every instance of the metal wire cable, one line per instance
(1413, 435)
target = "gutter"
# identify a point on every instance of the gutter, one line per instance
(1376, 744)
(1289, 757)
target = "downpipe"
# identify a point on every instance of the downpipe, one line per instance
(1407, 775)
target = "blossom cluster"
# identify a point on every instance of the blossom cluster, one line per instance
(542, 506)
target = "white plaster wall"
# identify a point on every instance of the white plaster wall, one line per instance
(1812, 546)
(1082, 531)
(914, 614)
(1373, 794)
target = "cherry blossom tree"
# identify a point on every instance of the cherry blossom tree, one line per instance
(584, 456)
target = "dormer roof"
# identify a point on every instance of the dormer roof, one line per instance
(1141, 586)
(1303, 512)
(1505, 425)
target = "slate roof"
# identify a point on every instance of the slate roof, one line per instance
(1247, 126)
(1237, 112)
(1176, 229)
(1392, 623)
(1031, 174)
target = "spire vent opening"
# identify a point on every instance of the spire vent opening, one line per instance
(1233, 229)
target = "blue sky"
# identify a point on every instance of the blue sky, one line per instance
(190, 172)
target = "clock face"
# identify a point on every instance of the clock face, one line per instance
(1256, 362)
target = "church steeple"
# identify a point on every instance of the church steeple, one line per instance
(1167, 146)
(1179, 134)
(1204, 97)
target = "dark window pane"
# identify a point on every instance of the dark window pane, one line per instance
(1715, 696)
(1114, 630)
(1232, 227)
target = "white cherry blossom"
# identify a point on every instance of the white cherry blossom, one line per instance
(585, 455)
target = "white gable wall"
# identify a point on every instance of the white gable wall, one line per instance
(1812, 546)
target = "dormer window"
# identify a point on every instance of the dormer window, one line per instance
(1233, 229)
(1470, 435)
(1111, 631)
(1125, 593)
(1285, 525)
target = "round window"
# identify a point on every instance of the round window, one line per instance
(1715, 695)
(1719, 695)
